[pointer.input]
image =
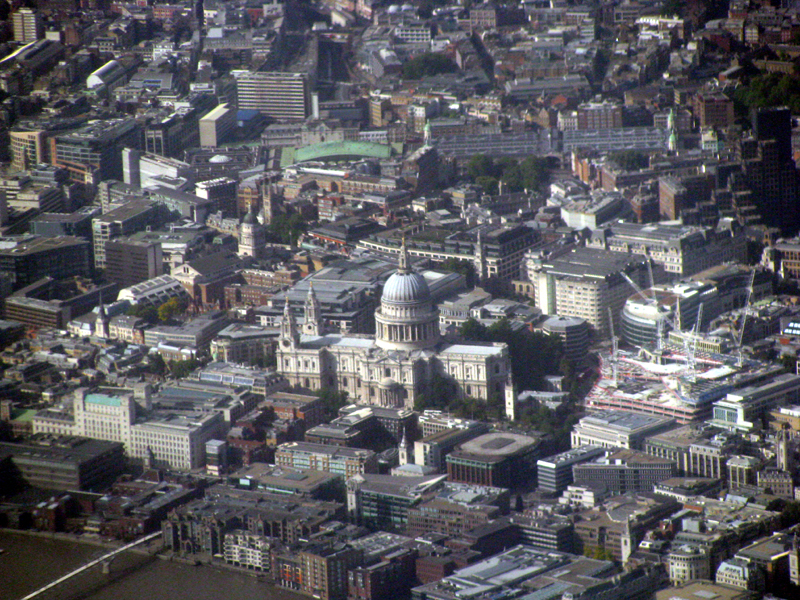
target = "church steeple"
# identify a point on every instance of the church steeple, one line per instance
(313, 322)
(101, 324)
(289, 325)
(402, 449)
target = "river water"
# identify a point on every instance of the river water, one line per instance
(30, 562)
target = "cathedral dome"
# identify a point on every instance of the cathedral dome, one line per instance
(250, 218)
(406, 288)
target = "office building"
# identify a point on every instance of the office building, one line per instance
(217, 126)
(129, 261)
(129, 218)
(744, 409)
(169, 440)
(243, 344)
(550, 532)
(221, 192)
(93, 153)
(585, 283)
(194, 335)
(504, 460)
(27, 25)
(554, 473)
(27, 258)
(625, 471)
(496, 251)
(573, 333)
(618, 429)
(65, 462)
(518, 570)
(331, 459)
(681, 250)
(281, 96)
(432, 450)
(144, 169)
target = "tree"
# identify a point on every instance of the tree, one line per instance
(535, 172)
(473, 331)
(333, 400)
(182, 368)
(171, 308)
(489, 184)
(427, 65)
(629, 160)
(673, 8)
(481, 165)
(790, 515)
(148, 313)
(287, 228)
(463, 267)
(519, 505)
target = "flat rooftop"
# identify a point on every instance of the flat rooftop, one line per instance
(498, 444)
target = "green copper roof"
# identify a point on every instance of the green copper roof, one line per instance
(103, 399)
(344, 150)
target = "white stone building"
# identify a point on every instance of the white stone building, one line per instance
(400, 362)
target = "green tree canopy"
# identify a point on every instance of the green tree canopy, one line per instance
(148, 313)
(768, 91)
(463, 267)
(287, 228)
(171, 308)
(533, 354)
(629, 160)
(427, 65)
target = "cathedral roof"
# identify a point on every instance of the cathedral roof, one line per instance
(406, 288)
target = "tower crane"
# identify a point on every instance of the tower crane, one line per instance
(614, 347)
(740, 336)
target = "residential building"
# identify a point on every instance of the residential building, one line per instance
(27, 25)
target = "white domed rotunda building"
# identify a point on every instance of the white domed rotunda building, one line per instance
(397, 365)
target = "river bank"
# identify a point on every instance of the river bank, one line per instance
(31, 561)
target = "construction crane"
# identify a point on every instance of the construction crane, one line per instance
(740, 337)
(614, 347)
(691, 347)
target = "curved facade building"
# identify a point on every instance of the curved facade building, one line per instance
(678, 303)
(574, 334)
